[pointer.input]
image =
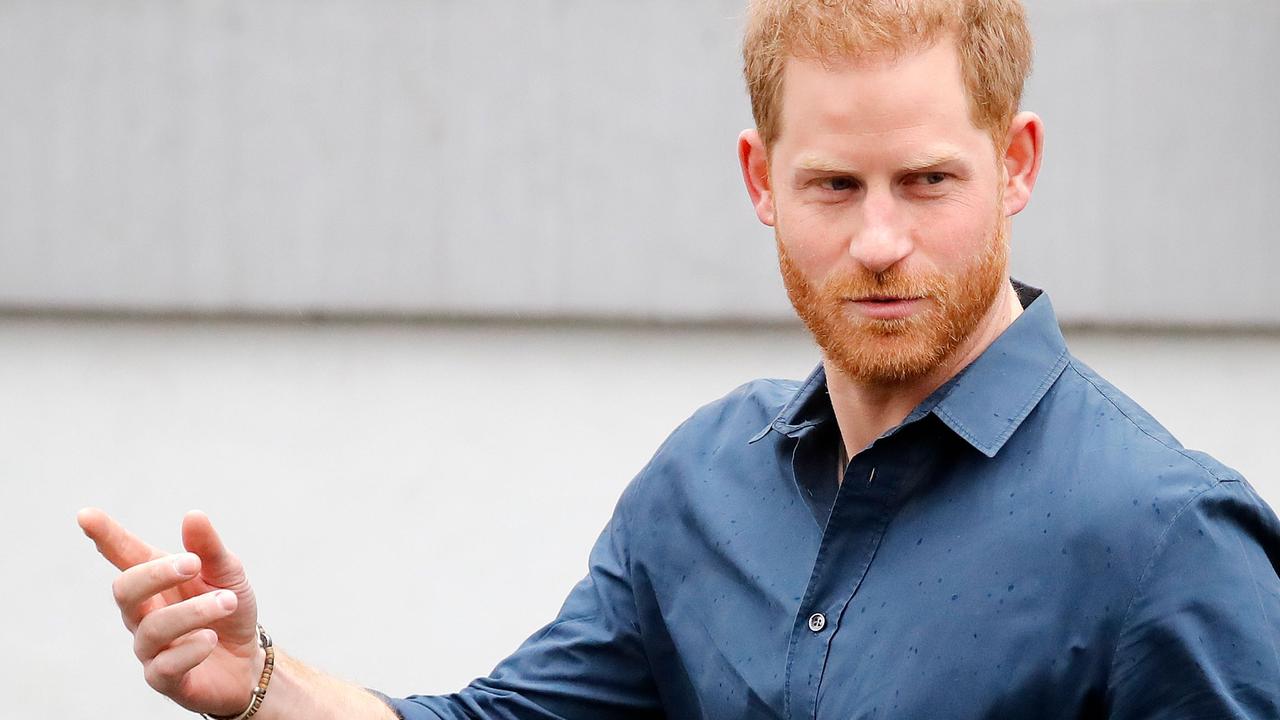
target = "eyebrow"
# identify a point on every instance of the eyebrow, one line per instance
(932, 160)
(814, 163)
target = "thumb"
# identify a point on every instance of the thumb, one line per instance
(218, 567)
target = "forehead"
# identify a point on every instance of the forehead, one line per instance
(917, 99)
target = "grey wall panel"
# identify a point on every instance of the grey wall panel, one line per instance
(1158, 200)
(571, 157)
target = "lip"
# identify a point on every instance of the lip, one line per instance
(879, 307)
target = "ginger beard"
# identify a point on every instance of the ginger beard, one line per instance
(886, 352)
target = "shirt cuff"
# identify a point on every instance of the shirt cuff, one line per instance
(418, 707)
(388, 702)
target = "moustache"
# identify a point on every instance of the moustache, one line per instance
(892, 284)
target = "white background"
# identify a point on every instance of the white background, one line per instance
(412, 501)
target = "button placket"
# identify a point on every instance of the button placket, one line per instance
(860, 514)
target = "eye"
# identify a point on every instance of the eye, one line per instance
(838, 184)
(933, 178)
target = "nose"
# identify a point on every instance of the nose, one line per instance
(883, 238)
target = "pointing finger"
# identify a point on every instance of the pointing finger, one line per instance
(119, 546)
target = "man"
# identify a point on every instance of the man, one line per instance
(951, 518)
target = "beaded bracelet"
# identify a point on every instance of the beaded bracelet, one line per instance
(258, 694)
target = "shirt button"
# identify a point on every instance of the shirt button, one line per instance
(817, 622)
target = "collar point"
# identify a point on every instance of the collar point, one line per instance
(989, 451)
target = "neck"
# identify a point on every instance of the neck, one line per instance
(864, 411)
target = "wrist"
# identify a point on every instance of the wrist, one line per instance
(259, 692)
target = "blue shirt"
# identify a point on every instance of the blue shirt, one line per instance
(1028, 543)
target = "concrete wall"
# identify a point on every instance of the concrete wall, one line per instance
(410, 500)
(572, 157)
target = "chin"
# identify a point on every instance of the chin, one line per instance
(885, 352)
(891, 365)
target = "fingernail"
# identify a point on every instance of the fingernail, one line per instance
(186, 564)
(226, 600)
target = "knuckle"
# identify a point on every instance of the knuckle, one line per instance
(157, 676)
(208, 609)
(120, 589)
(140, 646)
(163, 667)
(159, 572)
(145, 640)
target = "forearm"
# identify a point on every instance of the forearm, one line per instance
(298, 692)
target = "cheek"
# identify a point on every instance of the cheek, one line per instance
(816, 244)
(954, 235)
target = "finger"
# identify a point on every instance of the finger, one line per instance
(165, 671)
(219, 567)
(119, 546)
(135, 589)
(160, 629)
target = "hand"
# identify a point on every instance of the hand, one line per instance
(193, 615)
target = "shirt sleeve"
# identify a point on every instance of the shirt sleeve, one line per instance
(588, 663)
(1201, 638)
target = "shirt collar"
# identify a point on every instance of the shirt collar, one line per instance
(810, 406)
(988, 400)
(983, 404)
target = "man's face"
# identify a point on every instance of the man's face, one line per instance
(887, 208)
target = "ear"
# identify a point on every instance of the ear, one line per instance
(1025, 143)
(754, 158)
